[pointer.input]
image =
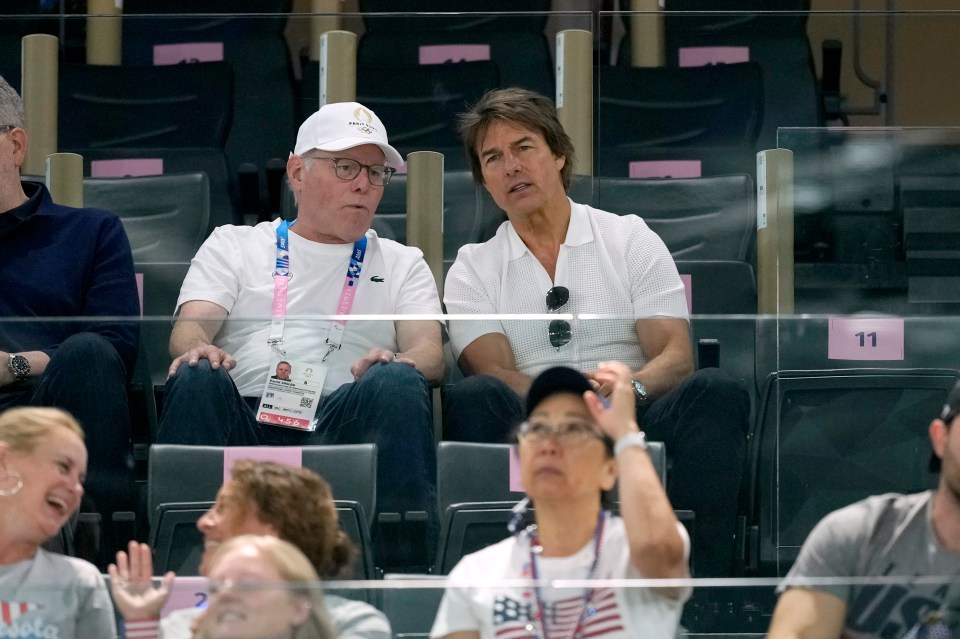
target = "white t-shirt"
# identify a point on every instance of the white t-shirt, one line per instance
(611, 264)
(234, 268)
(477, 599)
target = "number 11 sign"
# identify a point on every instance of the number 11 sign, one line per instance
(865, 338)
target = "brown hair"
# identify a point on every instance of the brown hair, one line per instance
(296, 569)
(297, 502)
(23, 428)
(516, 106)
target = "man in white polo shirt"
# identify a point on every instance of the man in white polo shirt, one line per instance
(557, 256)
(250, 300)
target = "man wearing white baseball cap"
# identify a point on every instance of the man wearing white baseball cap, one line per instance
(254, 296)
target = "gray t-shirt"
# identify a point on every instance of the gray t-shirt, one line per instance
(53, 596)
(351, 619)
(885, 535)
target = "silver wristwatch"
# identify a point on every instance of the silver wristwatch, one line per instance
(641, 392)
(19, 366)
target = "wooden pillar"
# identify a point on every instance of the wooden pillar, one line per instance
(425, 209)
(775, 232)
(40, 72)
(338, 67)
(575, 93)
(646, 33)
(64, 180)
(104, 32)
(324, 17)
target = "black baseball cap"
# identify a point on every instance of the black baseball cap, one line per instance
(949, 411)
(559, 379)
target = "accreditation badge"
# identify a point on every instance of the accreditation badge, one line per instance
(291, 395)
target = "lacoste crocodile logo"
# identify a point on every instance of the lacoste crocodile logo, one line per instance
(376, 278)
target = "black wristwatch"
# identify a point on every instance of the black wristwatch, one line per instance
(641, 392)
(19, 366)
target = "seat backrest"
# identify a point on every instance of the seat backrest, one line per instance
(774, 36)
(187, 105)
(522, 57)
(776, 41)
(711, 218)
(351, 471)
(251, 35)
(419, 102)
(484, 16)
(712, 106)
(195, 473)
(826, 438)
(170, 160)
(165, 216)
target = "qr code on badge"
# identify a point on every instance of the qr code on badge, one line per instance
(306, 402)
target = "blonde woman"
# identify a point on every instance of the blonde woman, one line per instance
(263, 588)
(43, 464)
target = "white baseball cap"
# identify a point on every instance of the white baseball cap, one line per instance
(344, 125)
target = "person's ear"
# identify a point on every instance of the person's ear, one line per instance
(19, 139)
(301, 611)
(295, 170)
(610, 472)
(939, 433)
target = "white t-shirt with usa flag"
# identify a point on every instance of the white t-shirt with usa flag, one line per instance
(478, 599)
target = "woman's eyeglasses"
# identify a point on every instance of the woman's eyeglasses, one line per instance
(559, 330)
(570, 434)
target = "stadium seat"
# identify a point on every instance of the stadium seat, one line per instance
(826, 438)
(248, 35)
(522, 57)
(711, 115)
(418, 103)
(175, 117)
(776, 40)
(711, 218)
(484, 16)
(166, 217)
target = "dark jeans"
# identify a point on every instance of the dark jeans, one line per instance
(87, 378)
(703, 422)
(389, 406)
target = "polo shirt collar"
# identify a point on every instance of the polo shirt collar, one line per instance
(579, 232)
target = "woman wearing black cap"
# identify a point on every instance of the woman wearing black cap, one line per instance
(574, 446)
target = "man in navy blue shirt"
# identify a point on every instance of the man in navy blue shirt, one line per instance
(63, 273)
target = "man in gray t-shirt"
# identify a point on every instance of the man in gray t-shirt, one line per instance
(913, 539)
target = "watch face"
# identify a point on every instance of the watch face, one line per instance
(641, 391)
(20, 366)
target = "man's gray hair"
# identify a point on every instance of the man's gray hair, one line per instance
(11, 105)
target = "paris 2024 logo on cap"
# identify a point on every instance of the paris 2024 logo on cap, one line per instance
(363, 120)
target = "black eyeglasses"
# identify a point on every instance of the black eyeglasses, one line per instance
(348, 169)
(7, 127)
(559, 330)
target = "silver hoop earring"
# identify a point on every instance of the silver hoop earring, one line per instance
(9, 492)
